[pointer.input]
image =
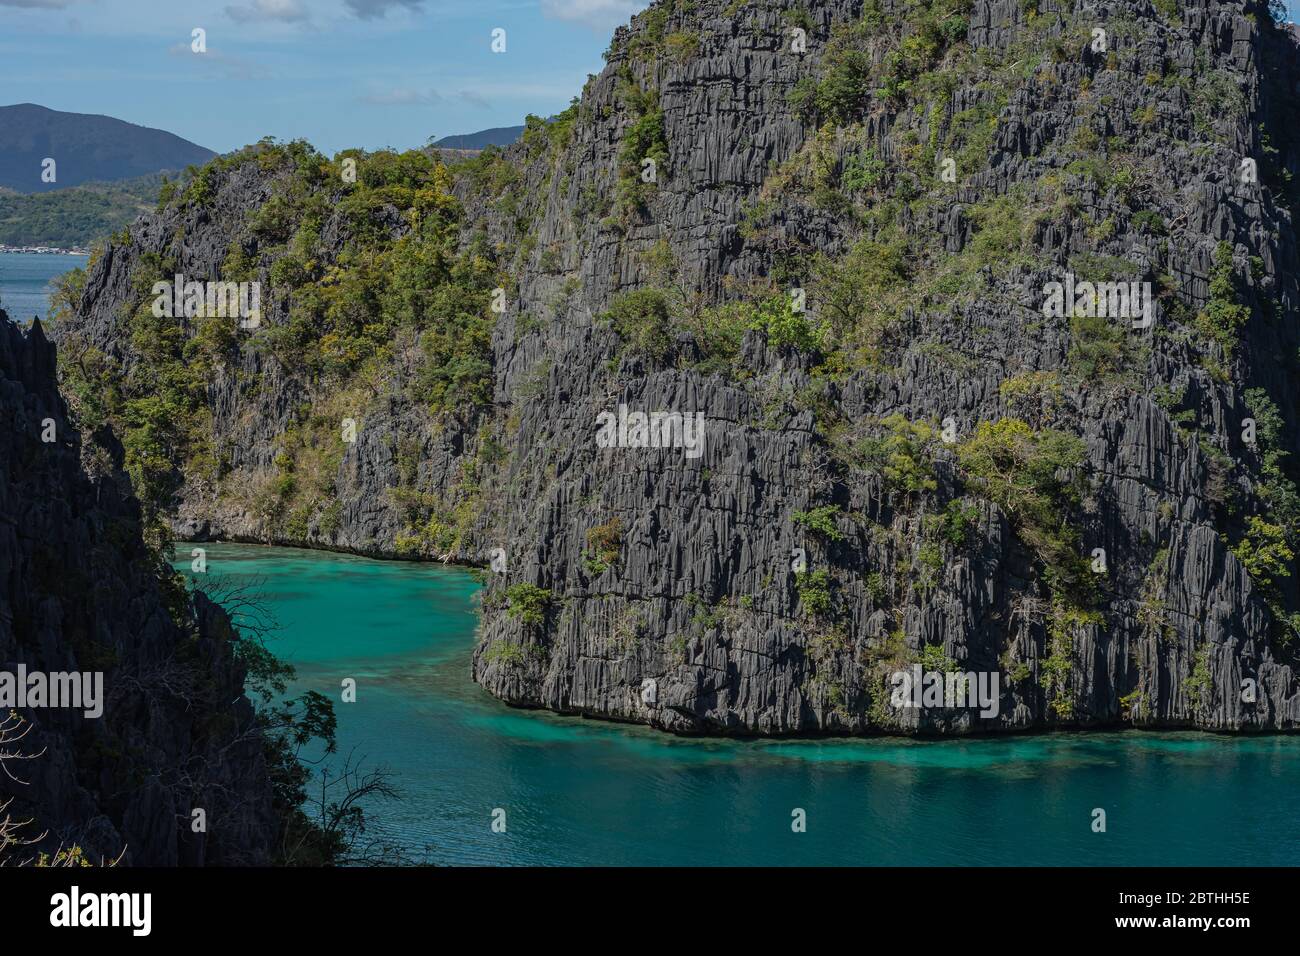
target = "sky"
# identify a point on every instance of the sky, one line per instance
(338, 73)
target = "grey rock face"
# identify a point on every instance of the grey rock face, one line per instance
(78, 593)
(720, 529)
(702, 599)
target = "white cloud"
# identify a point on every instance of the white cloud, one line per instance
(597, 14)
(269, 11)
(37, 4)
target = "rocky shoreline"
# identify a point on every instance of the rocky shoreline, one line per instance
(45, 250)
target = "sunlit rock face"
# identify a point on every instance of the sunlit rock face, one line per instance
(832, 230)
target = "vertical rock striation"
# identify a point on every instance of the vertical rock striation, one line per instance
(80, 593)
(706, 576)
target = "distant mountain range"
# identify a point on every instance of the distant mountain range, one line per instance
(85, 147)
(498, 136)
(108, 171)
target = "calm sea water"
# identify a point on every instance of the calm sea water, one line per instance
(25, 282)
(586, 792)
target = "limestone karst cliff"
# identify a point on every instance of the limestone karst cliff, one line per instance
(81, 593)
(831, 228)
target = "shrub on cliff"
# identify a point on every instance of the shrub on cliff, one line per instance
(820, 521)
(641, 318)
(1221, 320)
(1032, 476)
(528, 603)
(644, 139)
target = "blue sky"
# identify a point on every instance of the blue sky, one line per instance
(338, 73)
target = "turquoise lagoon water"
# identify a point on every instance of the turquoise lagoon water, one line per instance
(25, 282)
(585, 792)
